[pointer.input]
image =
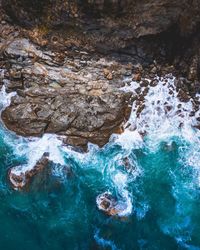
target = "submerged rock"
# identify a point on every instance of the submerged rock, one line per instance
(129, 166)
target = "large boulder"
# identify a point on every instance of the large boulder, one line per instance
(81, 118)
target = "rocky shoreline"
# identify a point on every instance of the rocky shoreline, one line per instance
(68, 73)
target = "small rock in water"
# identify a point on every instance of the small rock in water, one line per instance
(129, 167)
(19, 179)
(108, 204)
(144, 83)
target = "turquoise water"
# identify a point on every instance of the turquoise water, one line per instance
(160, 187)
(60, 212)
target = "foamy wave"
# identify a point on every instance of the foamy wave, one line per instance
(5, 98)
(34, 148)
(160, 114)
(129, 139)
(120, 181)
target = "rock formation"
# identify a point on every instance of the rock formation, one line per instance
(73, 97)
(109, 205)
(20, 176)
(67, 61)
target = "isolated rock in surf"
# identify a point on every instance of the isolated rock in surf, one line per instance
(20, 176)
(109, 205)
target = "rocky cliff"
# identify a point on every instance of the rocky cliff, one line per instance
(67, 60)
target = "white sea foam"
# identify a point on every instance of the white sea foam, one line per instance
(5, 98)
(163, 115)
(34, 148)
(120, 180)
(129, 139)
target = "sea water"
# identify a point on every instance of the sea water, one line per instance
(160, 188)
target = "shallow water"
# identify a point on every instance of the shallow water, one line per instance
(161, 187)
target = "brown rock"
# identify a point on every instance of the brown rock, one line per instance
(137, 77)
(86, 108)
(19, 178)
(108, 204)
(75, 115)
(108, 74)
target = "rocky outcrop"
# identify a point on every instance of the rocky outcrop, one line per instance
(80, 117)
(78, 98)
(133, 31)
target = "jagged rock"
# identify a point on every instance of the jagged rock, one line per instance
(20, 176)
(93, 118)
(82, 106)
(109, 205)
(129, 166)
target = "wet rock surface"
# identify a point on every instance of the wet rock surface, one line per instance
(20, 177)
(109, 205)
